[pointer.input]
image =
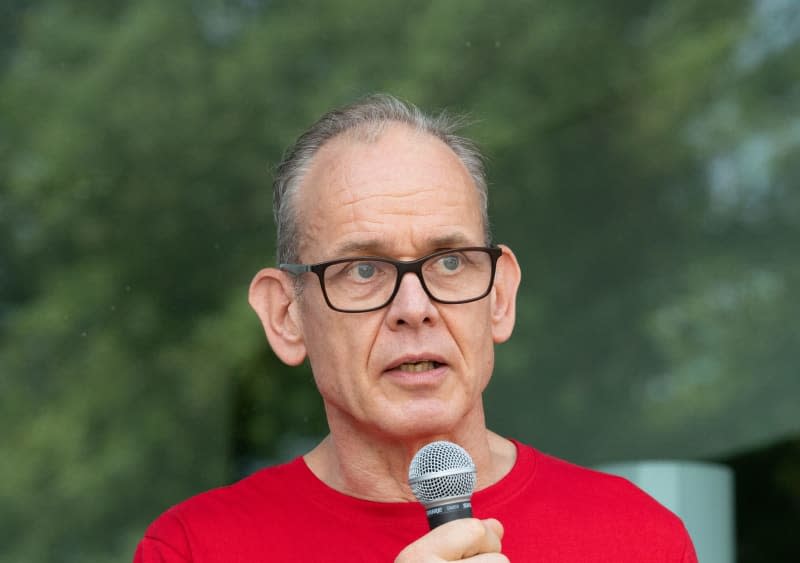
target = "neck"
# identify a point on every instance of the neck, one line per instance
(374, 466)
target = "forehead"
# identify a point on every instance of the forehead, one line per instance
(401, 193)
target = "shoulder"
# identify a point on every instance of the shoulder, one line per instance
(564, 486)
(588, 486)
(268, 486)
(226, 510)
(580, 514)
(607, 497)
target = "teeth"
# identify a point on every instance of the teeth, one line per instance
(417, 367)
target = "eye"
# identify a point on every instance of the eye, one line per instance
(450, 263)
(363, 271)
(446, 265)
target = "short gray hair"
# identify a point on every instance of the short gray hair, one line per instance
(368, 117)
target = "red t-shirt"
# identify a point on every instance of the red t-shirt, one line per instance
(552, 511)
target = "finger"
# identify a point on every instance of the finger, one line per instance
(495, 526)
(455, 541)
(486, 541)
(488, 558)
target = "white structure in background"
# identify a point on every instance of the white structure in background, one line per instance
(701, 494)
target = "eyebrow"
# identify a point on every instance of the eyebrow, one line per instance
(376, 247)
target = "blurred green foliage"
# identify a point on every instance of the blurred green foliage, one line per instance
(643, 164)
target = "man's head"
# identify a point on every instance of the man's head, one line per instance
(365, 119)
(394, 190)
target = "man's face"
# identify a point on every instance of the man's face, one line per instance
(415, 367)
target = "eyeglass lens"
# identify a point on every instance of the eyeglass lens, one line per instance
(461, 275)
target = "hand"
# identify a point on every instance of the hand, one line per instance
(468, 539)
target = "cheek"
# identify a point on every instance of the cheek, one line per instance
(483, 361)
(328, 354)
(337, 344)
(327, 347)
(473, 333)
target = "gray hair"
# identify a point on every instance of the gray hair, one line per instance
(368, 117)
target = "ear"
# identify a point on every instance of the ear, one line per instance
(504, 295)
(272, 296)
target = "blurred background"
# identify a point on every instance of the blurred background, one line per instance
(644, 163)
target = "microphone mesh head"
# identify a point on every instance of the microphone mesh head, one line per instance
(441, 470)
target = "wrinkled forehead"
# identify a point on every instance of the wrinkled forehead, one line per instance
(389, 175)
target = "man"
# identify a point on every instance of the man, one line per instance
(390, 287)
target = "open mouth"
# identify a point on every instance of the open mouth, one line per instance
(418, 367)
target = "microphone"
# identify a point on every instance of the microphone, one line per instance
(442, 477)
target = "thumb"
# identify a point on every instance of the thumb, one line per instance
(495, 526)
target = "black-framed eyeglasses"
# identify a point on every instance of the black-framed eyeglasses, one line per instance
(365, 283)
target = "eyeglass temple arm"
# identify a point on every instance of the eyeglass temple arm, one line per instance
(295, 269)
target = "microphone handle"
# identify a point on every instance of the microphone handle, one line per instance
(438, 515)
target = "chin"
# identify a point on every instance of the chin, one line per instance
(416, 424)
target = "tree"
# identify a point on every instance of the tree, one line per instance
(641, 166)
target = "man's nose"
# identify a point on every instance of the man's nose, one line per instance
(411, 305)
